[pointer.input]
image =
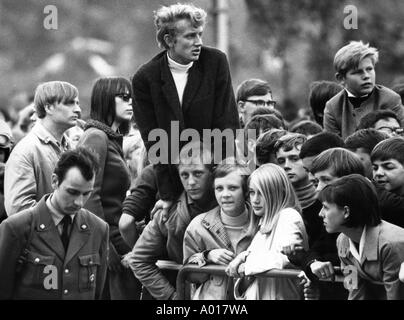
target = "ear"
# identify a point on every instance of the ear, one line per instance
(240, 105)
(347, 212)
(169, 40)
(49, 108)
(55, 181)
(340, 78)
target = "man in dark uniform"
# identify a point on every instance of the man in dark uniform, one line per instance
(56, 249)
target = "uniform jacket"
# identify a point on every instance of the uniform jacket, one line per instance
(29, 169)
(112, 179)
(161, 241)
(342, 118)
(381, 259)
(208, 103)
(80, 271)
(207, 232)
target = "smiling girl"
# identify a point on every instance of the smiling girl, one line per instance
(217, 236)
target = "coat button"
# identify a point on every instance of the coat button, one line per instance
(36, 260)
(92, 277)
(83, 226)
(66, 291)
(90, 262)
(66, 270)
(42, 226)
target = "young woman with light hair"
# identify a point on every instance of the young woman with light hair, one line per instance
(281, 226)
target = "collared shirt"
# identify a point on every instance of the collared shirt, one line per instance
(358, 255)
(57, 216)
(29, 168)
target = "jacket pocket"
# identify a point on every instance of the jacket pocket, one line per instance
(88, 271)
(34, 269)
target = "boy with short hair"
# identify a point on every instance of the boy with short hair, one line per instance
(355, 65)
(383, 121)
(362, 143)
(388, 173)
(287, 151)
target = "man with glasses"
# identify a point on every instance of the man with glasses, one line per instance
(385, 121)
(252, 94)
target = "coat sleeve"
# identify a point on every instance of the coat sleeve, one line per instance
(289, 230)
(193, 245)
(97, 141)
(20, 187)
(226, 113)
(150, 247)
(143, 196)
(330, 122)
(392, 256)
(102, 274)
(11, 245)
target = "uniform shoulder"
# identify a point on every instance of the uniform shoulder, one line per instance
(19, 222)
(97, 221)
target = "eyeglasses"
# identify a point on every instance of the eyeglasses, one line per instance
(389, 130)
(263, 103)
(124, 96)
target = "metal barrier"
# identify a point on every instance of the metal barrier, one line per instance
(219, 270)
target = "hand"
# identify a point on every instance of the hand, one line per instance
(126, 260)
(292, 249)
(232, 269)
(114, 260)
(310, 289)
(220, 256)
(322, 270)
(164, 206)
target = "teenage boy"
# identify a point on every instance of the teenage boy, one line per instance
(314, 146)
(162, 240)
(388, 173)
(287, 155)
(362, 143)
(355, 67)
(382, 120)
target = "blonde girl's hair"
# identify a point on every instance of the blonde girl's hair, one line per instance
(273, 184)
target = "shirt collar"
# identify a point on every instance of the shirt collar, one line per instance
(351, 95)
(43, 134)
(358, 255)
(57, 216)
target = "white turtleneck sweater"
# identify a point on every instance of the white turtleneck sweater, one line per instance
(180, 74)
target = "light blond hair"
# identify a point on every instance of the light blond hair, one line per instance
(166, 17)
(348, 57)
(273, 184)
(53, 92)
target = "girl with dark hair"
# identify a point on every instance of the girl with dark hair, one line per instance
(370, 250)
(111, 113)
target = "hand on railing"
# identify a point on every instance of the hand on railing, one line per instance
(310, 289)
(236, 267)
(220, 256)
(322, 270)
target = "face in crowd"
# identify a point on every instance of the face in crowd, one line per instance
(229, 193)
(186, 46)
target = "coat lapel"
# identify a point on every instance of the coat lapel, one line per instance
(370, 248)
(193, 84)
(47, 230)
(170, 91)
(78, 236)
(212, 222)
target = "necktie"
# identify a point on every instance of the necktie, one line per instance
(66, 221)
(357, 101)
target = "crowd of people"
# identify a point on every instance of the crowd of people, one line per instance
(87, 212)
